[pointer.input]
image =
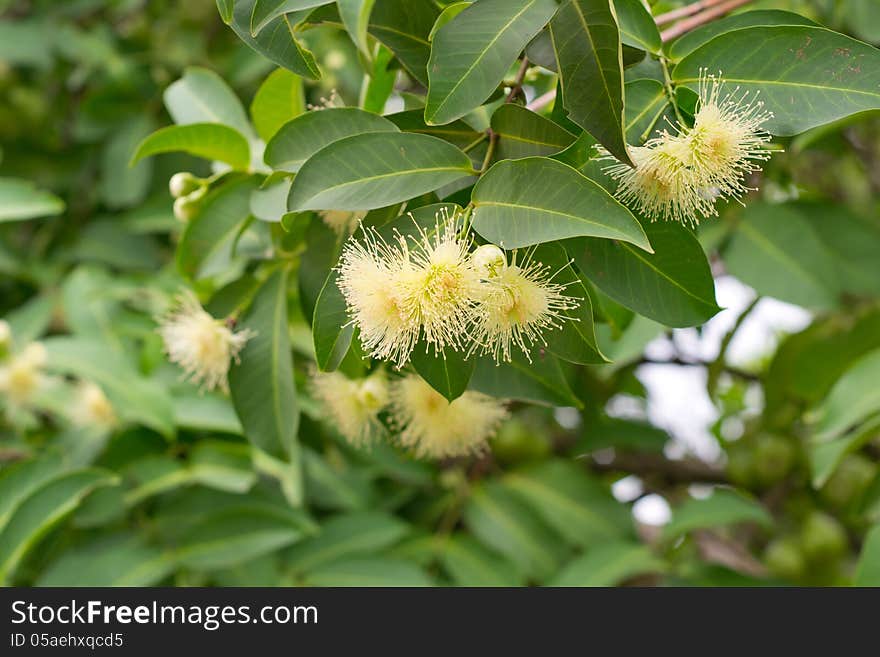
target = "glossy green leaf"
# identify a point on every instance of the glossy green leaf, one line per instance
(43, 509)
(201, 96)
(471, 54)
(499, 520)
(375, 170)
(308, 133)
(855, 397)
(355, 16)
(134, 398)
(587, 44)
(265, 11)
(536, 200)
(458, 132)
(674, 285)
(868, 568)
(230, 537)
(225, 7)
(448, 372)
(573, 503)
(807, 76)
(208, 241)
(278, 100)
(776, 251)
(404, 26)
(20, 199)
(523, 133)
(331, 329)
(346, 536)
(687, 43)
(637, 26)
(275, 41)
(723, 507)
(608, 565)
(646, 102)
(116, 560)
(262, 385)
(541, 381)
(212, 141)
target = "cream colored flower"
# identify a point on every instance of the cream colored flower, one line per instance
(203, 346)
(353, 406)
(21, 377)
(518, 304)
(92, 408)
(435, 428)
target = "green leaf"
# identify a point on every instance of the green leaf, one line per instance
(458, 132)
(233, 536)
(201, 96)
(212, 141)
(275, 41)
(775, 251)
(868, 569)
(222, 465)
(581, 509)
(43, 509)
(262, 385)
(225, 7)
(470, 564)
(499, 520)
(646, 102)
(355, 16)
(637, 26)
(301, 138)
(854, 398)
(472, 53)
(269, 203)
(265, 11)
(541, 381)
(123, 186)
(206, 412)
(379, 81)
(278, 100)
(523, 133)
(807, 76)
(587, 44)
(827, 455)
(448, 372)
(375, 170)
(403, 26)
(536, 199)
(20, 199)
(134, 398)
(208, 241)
(673, 286)
(346, 536)
(368, 572)
(116, 560)
(331, 330)
(608, 565)
(724, 507)
(19, 480)
(687, 43)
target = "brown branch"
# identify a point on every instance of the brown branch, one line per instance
(715, 549)
(700, 19)
(736, 371)
(684, 471)
(516, 87)
(684, 12)
(541, 102)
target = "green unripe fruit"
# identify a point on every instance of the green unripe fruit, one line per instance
(183, 184)
(774, 458)
(784, 558)
(822, 537)
(739, 466)
(852, 477)
(515, 442)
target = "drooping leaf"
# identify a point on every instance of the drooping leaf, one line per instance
(637, 26)
(355, 16)
(458, 132)
(308, 133)
(374, 170)
(212, 141)
(20, 199)
(523, 133)
(587, 44)
(537, 199)
(403, 26)
(278, 100)
(807, 76)
(674, 285)
(448, 372)
(471, 54)
(331, 330)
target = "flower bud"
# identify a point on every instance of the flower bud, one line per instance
(186, 208)
(489, 261)
(183, 184)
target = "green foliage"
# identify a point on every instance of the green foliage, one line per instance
(291, 134)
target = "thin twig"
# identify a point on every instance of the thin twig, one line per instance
(700, 19)
(516, 88)
(683, 12)
(684, 471)
(542, 101)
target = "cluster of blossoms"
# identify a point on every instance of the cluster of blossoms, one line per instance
(679, 176)
(432, 287)
(202, 345)
(426, 422)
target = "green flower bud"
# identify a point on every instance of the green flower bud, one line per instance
(183, 184)
(784, 558)
(822, 537)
